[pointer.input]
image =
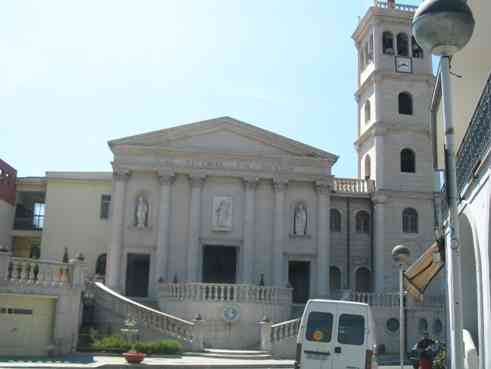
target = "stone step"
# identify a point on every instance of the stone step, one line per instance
(234, 354)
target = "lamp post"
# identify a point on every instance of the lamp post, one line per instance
(400, 255)
(445, 27)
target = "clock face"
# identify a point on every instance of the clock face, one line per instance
(403, 65)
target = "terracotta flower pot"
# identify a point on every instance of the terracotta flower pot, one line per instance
(134, 357)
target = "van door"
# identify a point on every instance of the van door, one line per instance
(318, 340)
(350, 338)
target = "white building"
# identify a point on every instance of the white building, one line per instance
(221, 218)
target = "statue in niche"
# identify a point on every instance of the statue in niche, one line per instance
(222, 213)
(300, 220)
(141, 212)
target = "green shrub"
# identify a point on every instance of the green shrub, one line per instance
(116, 343)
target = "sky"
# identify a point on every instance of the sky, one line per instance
(76, 74)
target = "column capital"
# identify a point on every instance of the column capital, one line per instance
(379, 199)
(121, 174)
(197, 180)
(166, 177)
(322, 187)
(280, 185)
(250, 183)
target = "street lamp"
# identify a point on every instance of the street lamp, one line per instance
(400, 255)
(445, 27)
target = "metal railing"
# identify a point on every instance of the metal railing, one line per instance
(477, 140)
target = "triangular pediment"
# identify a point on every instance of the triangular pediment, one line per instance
(222, 135)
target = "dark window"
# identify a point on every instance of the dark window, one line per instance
(408, 161)
(38, 217)
(351, 329)
(100, 265)
(368, 167)
(335, 220)
(422, 326)
(388, 43)
(105, 206)
(319, 327)
(370, 48)
(334, 278)
(402, 44)
(392, 325)
(410, 220)
(405, 103)
(362, 222)
(417, 50)
(437, 326)
(368, 112)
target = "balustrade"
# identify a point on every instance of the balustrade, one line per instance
(403, 7)
(283, 330)
(225, 293)
(353, 185)
(148, 317)
(39, 272)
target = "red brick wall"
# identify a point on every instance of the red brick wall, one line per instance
(8, 177)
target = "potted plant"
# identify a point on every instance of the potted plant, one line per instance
(131, 332)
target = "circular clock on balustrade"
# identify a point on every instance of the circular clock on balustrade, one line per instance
(231, 313)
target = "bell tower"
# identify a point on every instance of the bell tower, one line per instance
(395, 85)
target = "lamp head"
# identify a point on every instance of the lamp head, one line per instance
(400, 254)
(443, 26)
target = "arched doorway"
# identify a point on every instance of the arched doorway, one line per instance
(471, 281)
(362, 280)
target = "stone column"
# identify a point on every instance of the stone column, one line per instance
(193, 255)
(166, 179)
(120, 178)
(323, 239)
(379, 248)
(249, 230)
(279, 232)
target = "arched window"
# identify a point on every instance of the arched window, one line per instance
(368, 111)
(405, 103)
(408, 161)
(402, 44)
(422, 325)
(334, 278)
(335, 220)
(100, 265)
(388, 43)
(362, 222)
(362, 278)
(409, 220)
(417, 50)
(368, 167)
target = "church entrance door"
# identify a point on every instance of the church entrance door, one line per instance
(299, 278)
(219, 264)
(137, 271)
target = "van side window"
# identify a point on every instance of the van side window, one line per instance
(319, 327)
(351, 329)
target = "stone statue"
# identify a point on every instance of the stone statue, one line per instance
(141, 213)
(300, 220)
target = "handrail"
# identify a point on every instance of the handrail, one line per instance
(149, 317)
(283, 330)
(220, 292)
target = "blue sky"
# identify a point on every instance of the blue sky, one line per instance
(75, 74)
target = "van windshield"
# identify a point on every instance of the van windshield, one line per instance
(351, 329)
(319, 327)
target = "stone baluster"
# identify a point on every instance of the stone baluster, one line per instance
(280, 188)
(120, 179)
(194, 255)
(161, 269)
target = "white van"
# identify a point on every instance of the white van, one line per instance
(336, 335)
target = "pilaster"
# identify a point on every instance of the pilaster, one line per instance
(250, 185)
(323, 239)
(194, 254)
(379, 202)
(120, 179)
(166, 179)
(280, 188)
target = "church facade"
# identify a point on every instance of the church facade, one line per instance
(223, 202)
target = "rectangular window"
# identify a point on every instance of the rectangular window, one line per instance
(16, 311)
(38, 217)
(319, 327)
(351, 329)
(105, 206)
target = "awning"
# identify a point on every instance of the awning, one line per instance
(420, 274)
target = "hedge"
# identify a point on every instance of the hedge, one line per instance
(116, 343)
